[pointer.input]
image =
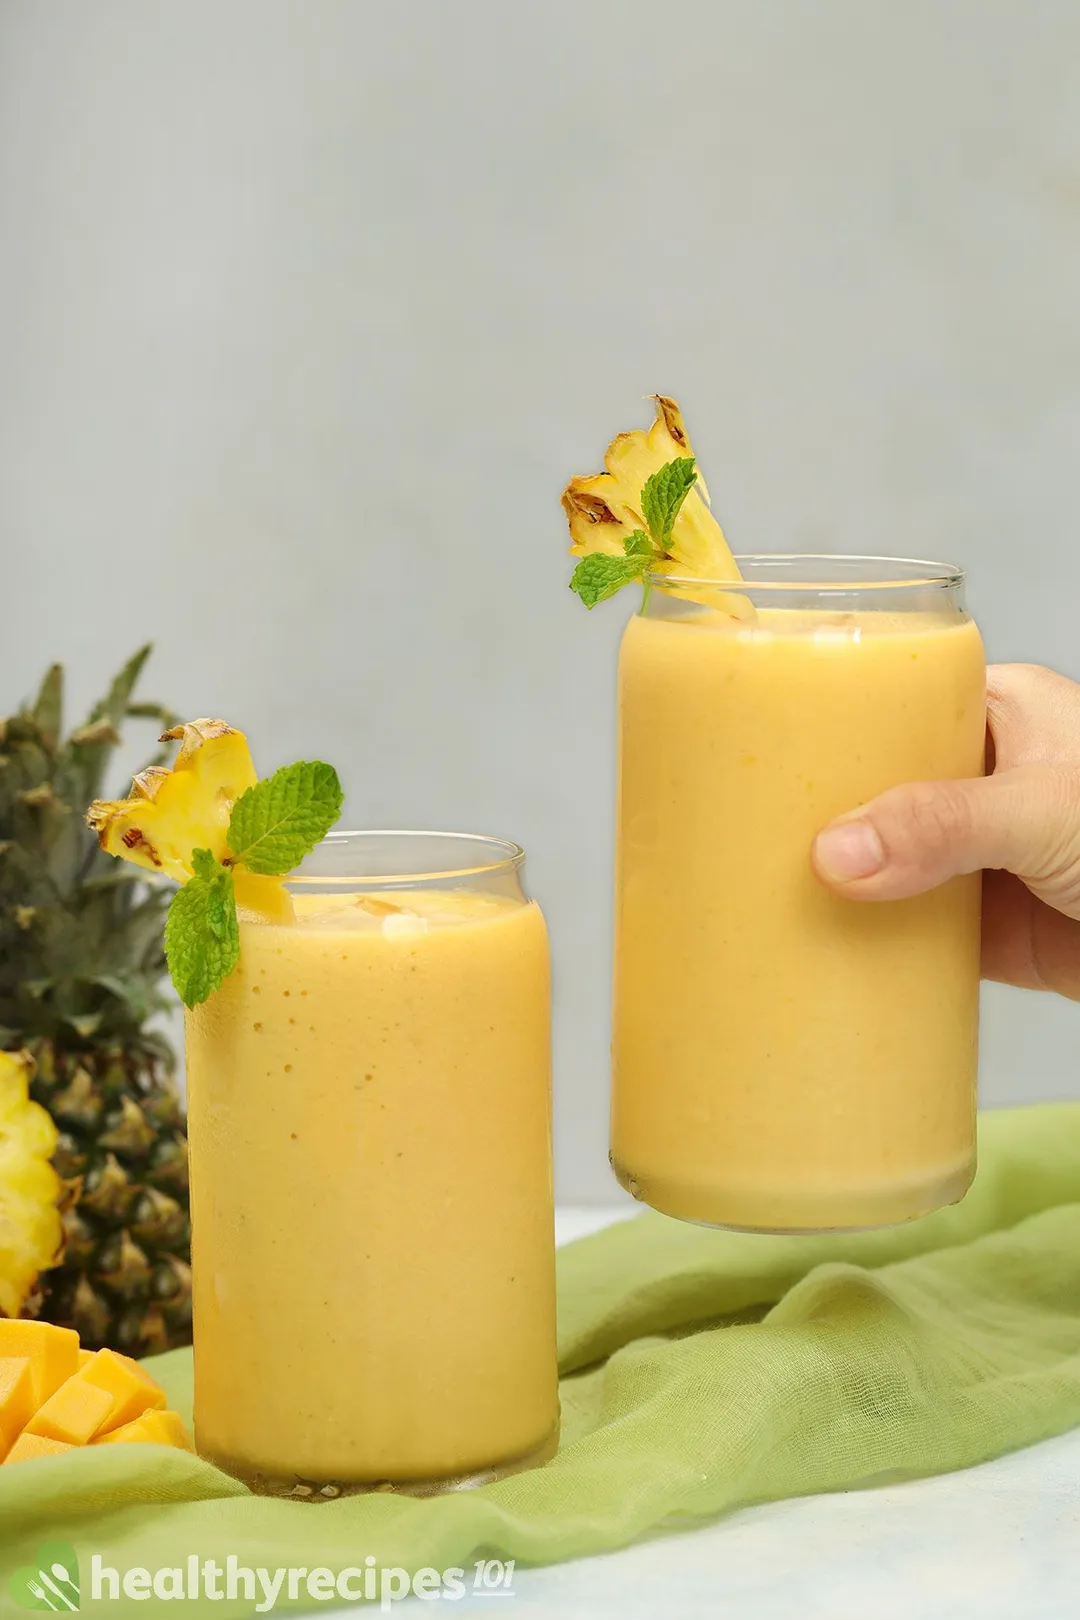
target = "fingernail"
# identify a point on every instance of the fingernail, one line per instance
(852, 849)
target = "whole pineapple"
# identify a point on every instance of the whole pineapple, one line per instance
(81, 965)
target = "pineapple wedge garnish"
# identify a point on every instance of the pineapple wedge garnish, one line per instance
(31, 1233)
(604, 509)
(169, 813)
(172, 812)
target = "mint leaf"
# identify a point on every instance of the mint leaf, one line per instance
(204, 865)
(280, 820)
(202, 936)
(663, 496)
(638, 544)
(599, 575)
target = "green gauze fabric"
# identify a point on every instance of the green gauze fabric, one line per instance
(701, 1371)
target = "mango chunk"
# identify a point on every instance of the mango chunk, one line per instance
(55, 1396)
(16, 1400)
(139, 1370)
(28, 1446)
(130, 1389)
(74, 1414)
(53, 1353)
(152, 1428)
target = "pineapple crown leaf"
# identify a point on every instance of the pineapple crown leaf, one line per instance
(95, 731)
(113, 705)
(273, 825)
(48, 707)
(601, 574)
(93, 756)
(64, 918)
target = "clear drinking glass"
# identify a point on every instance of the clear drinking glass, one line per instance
(370, 1133)
(786, 1059)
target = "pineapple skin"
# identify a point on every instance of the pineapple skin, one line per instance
(81, 971)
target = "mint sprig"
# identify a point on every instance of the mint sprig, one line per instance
(273, 825)
(202, 935)
(601, 574)
(662, 498)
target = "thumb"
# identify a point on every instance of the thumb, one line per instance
(1025, 821)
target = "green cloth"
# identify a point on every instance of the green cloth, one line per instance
(702, 1371)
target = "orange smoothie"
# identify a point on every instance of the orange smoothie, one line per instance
(373, 1256)
(785, 1059)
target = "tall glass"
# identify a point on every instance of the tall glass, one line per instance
(370, 1134)
(786, 1059)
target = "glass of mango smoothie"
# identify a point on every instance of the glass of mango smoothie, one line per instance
(369, 1098)
(786, 1059)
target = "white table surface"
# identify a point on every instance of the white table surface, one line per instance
(997, 1542)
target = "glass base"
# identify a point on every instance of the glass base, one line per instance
(300, 1489)
(789, 1214)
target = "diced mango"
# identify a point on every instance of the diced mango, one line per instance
(16, 1399)
(74, 1413)
(53, 1353)
(28, 1446)
(152, 1428)
(169, 1430)
(137, 1367)
(55, 1396)
(130, 1389)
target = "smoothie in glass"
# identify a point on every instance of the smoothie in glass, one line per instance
(785, 1059)
(369, 1098)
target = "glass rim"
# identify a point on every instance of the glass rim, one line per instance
(503, 855)
(897, 573)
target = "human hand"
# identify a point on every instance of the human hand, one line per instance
(1021, 824)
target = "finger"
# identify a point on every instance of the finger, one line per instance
(1025, 821)
(1026, 942)
(1007, 952)
(1033, 717)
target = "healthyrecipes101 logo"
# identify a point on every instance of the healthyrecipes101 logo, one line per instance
(53, 1582)
(50, 1583)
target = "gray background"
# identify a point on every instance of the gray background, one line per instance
(308, 308)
